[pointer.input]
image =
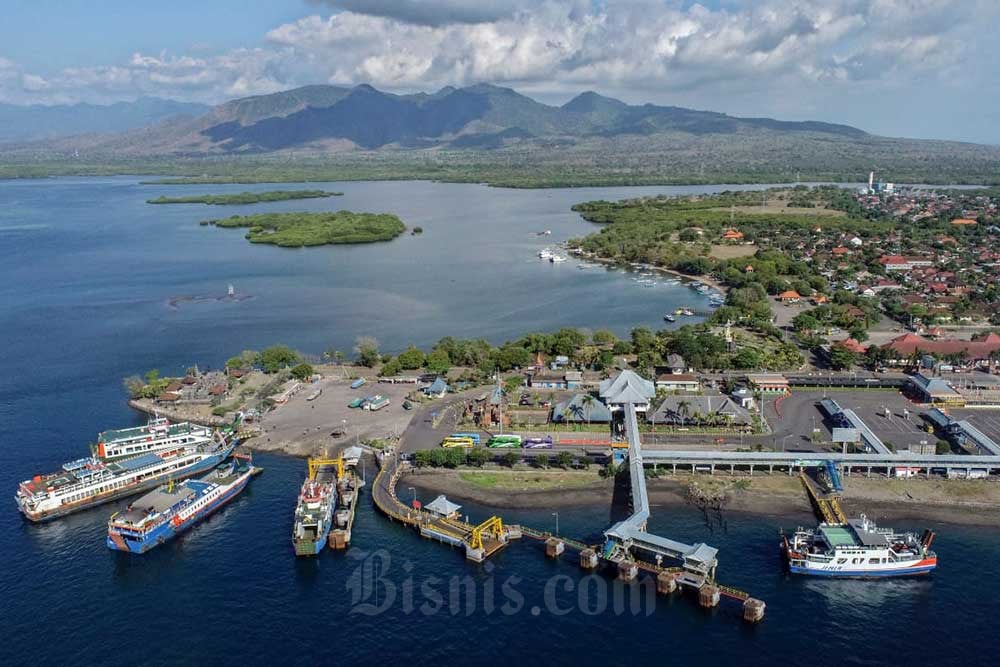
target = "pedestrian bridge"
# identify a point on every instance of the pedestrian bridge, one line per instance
(699, 560)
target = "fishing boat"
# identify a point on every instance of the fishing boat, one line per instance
(94, 480)
(669, 318)
(166, 512)
(858, 549)
(314, 510)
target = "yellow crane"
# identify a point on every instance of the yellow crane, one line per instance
(492, 526)
(316, 464)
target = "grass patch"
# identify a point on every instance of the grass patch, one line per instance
(527, 480)
(294, 230)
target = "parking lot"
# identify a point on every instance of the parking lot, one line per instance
(304, 427)
(901, 427)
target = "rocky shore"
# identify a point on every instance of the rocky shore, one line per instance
(971, 502)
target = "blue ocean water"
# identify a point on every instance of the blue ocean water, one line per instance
(87, 277)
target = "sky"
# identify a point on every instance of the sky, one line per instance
(913, 68)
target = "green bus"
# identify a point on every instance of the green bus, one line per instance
(504, 441)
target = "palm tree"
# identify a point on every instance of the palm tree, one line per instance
(588, 404)
(683, 410)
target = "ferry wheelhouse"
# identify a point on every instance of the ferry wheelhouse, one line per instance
(168, 511)
(91, 481)
(858, 549)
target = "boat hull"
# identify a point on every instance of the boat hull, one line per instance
(912, 571)
(204, 465)
(167, 530)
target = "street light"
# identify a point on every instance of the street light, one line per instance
(783, 440)
(556, 515)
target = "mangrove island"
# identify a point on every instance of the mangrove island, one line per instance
(245, 197)
(293, 230)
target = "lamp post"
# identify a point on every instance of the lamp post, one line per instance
(783, 440)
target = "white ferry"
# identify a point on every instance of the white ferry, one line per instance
(157, 435)
(94, 480)
(858, 549)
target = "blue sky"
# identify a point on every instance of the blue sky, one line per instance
(919, 68)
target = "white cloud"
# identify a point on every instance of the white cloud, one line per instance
(758, 54)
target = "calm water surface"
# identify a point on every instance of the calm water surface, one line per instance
(96, 285)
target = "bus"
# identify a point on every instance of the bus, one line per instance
(475, 437)
(504, 441)
(464, 443)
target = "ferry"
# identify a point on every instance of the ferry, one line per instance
(163, 514)
(92, 481)
(314, 512)
(858, 549)
(157, 435)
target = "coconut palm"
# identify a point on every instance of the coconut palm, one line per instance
(684, 410)
(588, 405)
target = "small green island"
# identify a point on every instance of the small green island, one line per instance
(245, 197)
(295, 230)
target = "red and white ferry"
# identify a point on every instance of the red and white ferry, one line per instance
(858, 549)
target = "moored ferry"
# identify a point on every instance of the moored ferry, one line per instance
(314, 510)
(168, 511)
(858, 549)
(91, 481)
(157, 435)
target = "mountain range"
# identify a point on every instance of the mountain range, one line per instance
(36, 121)
(326, 118)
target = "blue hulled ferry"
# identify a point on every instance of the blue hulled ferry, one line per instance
(168, 511)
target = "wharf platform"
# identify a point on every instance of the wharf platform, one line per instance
(480, 541)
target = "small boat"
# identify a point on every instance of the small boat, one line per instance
(545, 253)
(357, 383)
(687, 311)
(230, 291)
(555, 259)
(356, 403)
(314, 395)
(669, 318)
(547, 232)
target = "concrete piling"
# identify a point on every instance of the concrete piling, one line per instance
(708, 596)
(588, 559)
(666, 583)
(753, 610)
(627, 570)
(554, 547)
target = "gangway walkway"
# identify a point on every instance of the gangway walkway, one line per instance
(978, 438)
(828, 505)
(699, 560)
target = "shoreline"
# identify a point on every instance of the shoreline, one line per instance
(766, 496)
(708, 280)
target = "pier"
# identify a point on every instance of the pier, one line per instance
(480, 541)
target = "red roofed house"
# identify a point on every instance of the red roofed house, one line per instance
(975, 350)
(853, 345)
(963, 222)
(789, 296)
(732, 235)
